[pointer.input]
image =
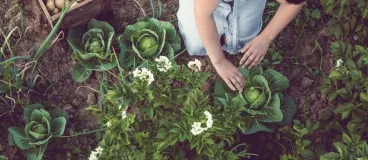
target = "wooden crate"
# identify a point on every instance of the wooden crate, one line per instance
(77, 15)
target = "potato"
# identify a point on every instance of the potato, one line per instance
(55, 11)
(50, 5)
(59, 3)
(74, 4)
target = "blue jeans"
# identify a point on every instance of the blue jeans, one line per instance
(239, 23)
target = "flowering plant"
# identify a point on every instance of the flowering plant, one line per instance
(162, 110)
(345, 85)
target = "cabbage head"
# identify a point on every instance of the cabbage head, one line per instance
(148, 39)
(41, 127)
(264, 104)
(92, 49)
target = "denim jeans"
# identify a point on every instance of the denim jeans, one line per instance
(239, 23)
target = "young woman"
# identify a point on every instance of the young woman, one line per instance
(210, 27)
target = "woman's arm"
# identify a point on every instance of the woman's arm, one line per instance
(207, 28)
(257, 48)
(208, 31)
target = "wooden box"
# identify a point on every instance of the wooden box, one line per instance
(79, 14)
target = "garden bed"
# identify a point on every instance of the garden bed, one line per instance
(303, 64)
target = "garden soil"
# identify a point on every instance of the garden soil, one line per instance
(61, 91)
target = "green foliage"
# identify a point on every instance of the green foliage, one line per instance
(41, 127)
(92, 49)
(3, 158)
(156, 14)
(348, 18)
(309, 17)
(12, 86)
(350, 148)
(302, 147)
(146, 40)
(155, 120)
(264, 104)
(16, 82)
(272, 59)
(345, 87)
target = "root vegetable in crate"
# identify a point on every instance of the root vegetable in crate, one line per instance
(80, 12)
(59, 3)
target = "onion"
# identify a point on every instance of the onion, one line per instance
(55, 11)
(79, 1)
(50, 5)
(59, 3)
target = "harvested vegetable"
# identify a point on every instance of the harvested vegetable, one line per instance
(60, 3)
(50, 5)
(55, 11)
(74, 4)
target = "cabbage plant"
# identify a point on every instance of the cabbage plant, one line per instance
(41, 127)
(264, 103)
(92, 49)
(148, 39)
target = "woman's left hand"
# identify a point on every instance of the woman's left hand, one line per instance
(255, 51)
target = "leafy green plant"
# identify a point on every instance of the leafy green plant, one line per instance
(348, 18)
(302, 148)
(147, 40)
(41, 127)
(272, 58)
(163, 114)
(3, 158)
(12, 76)
(16, 82)
(156, 13)
(345, 86)
(264, 103)
(309, 17)
(350, 148)
(92, 49)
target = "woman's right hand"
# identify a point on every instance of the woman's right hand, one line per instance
(230, 74)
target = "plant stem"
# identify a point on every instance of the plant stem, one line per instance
(153, 6)
(84, 133)
(180, 53)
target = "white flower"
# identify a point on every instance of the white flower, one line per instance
(195, 65)
(95, 154)
(196, 128)
(356, 37)
(144, 74)
(99, 149)
(124, 115)
(208, 114)
(164, 64)
(108, 124)
(339, 63)
(209, 121)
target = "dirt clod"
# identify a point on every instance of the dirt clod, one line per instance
(91, 99)
(306, 82)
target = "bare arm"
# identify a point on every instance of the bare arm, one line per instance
(284, 15)
(207, 28)
(208, 31)
(257, 48)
